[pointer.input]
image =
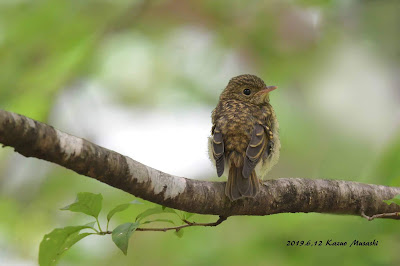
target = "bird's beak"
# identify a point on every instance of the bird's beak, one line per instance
(269, 89)
(266, 90)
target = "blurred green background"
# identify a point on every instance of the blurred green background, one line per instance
(124, 74)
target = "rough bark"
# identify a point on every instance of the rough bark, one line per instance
(34, 139)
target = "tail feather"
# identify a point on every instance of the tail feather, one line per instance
(231, 189)
(238, 186)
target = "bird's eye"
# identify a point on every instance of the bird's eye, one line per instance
(246, 91)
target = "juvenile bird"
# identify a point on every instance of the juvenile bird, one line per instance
(244, 137)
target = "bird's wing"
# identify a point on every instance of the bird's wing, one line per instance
(218, 150)
(258, 144)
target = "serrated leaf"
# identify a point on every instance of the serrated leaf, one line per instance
(179, 233)
(121, 235)
(154, 210)
(121, 208)
(57, 242)
(395, 200)
(159, 220)
(87, 203)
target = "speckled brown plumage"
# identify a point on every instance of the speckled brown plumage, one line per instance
(245, 137)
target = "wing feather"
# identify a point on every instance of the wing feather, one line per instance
(255, 150)
(218, 151)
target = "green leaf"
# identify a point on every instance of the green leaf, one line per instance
(121, 208)
(121, 235)
(57, 242)
(179, 233)
(159, 220)
(155, 210)
(187, 215)
(395, 200)
(170, 210)
(87, 203)
(91, 224)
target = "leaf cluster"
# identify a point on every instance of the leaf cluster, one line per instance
(58, 241)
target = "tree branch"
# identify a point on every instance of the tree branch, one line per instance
(34, 139)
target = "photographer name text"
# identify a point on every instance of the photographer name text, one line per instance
(332, 243)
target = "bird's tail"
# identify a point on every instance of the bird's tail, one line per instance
(238, 186)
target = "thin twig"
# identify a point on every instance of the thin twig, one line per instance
(219, 221)
(177, 228)
(188, 224)
(381, 215)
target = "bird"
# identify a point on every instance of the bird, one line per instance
(244, 141)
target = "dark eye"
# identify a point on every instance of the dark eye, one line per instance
(246, 91)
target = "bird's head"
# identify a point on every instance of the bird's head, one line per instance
(247, 88)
